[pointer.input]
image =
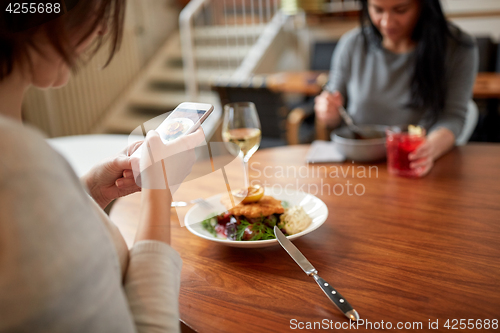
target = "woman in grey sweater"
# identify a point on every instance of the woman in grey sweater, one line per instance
(64, 266)
(405, 65)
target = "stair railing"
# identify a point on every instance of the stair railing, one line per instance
(238, 48)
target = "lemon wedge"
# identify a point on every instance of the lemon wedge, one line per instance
(253, 194)
(414, 130)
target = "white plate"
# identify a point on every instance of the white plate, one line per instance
(313, 206)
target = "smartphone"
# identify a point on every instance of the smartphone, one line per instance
(184, 119)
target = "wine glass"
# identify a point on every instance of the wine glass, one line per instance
(241, 126)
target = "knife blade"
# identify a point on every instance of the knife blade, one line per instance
(337, 299)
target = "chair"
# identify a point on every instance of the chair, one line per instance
(302, 127)
(321, 56)
(487, 54)
(270, 106)
(298, 132)
(489, 119)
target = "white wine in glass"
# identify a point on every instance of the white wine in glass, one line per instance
(248, 139)
(241, 126)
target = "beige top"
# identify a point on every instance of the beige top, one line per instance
(64, 266)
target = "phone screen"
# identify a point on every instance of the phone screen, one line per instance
(180, 122)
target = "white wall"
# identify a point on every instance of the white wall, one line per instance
(154, 20)
(488, 25)
(481, 26)
(470, 6)
(78, 107)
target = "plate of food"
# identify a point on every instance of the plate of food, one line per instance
(250, 223)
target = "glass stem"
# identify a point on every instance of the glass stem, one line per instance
(245, 163)
(246, 158)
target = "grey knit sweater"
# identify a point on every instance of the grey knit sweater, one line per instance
(376, 83)
(64, 266)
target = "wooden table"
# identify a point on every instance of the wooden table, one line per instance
(310, 83)
(487, 85)
(407, 250)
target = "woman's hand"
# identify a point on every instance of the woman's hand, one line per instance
(112, 178)
(422, 159)
(326, 106)
(172, 160)
(160, 171)
(437, 143)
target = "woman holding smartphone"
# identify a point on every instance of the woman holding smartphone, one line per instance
(64, 266)
(405, 65)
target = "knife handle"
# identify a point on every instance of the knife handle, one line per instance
(333, 295)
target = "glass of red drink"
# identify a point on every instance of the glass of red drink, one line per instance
(401, 141)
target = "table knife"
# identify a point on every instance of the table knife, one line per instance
(337, 299)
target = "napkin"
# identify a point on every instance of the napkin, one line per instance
(324, 152)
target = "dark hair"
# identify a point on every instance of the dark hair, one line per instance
(76, 18)
(432, 34)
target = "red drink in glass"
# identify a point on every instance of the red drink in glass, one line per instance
(400, 143)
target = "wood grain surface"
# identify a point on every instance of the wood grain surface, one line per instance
(487, 85)
(407, 250)
(305, 82)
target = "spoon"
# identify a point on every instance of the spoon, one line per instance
(358, 132)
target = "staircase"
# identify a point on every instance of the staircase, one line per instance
(218, 52)
(159, 88)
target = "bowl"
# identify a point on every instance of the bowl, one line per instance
(361, 150)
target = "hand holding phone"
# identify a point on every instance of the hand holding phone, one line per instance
(184, 119)
(172, 160)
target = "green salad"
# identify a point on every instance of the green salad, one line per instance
(240, 228)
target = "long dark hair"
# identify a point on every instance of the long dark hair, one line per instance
(432, 34)
(73, 18)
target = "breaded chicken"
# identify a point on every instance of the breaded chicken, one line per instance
(264, 207)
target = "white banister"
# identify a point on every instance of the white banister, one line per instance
(187, 43)
(236, 35)
(254, 57)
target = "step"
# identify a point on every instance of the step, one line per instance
(223, 43)
(177, 75)
(225, 52)
(229, 31)
(164, 100)
(173, 86)
(170, 49)
(128, 120)
(125, 119)
(209, 64)
(147, 94)
(213, 52)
